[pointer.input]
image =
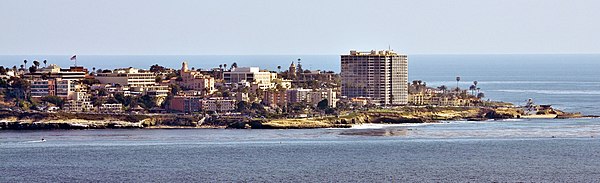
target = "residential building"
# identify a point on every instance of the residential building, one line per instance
(324, 94)
(379, 75)
(189, 104)
(79, 102)
(218, 104)
(275, 99)
(110, 108)
(63, 88)
(298, 95)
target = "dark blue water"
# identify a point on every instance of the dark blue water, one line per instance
(501, 151)
(458, 151)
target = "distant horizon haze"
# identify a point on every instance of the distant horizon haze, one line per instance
(297, 27)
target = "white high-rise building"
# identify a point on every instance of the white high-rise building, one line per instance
(379, 75)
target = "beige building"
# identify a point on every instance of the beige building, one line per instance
(325, 94)
(379, 75)
(194, 80)
(129, 76)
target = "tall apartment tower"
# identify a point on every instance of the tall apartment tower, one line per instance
(379, 75)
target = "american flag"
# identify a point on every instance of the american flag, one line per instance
(74, 57)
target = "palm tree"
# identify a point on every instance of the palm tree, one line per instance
(14, 68)
(475, 83)
(36, 63)
(457, 80)
(45, 62)
(22, 67)
(25, 61)
(443, 88)
(472, 88)
(221, 66)
(279, 68)
(225, 66)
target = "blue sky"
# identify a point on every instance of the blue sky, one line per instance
(232, 27)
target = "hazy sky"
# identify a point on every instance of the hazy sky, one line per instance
(297, 26)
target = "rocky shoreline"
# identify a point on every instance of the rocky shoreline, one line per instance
(49, 121)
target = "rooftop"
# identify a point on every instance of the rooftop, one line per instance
(373, 53)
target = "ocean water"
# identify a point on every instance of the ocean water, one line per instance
(534, 150)
(494, 151)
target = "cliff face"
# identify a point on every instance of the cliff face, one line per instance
(422, 115)
(391, 116)
(34, 120)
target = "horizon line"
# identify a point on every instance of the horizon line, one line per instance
(278, 54)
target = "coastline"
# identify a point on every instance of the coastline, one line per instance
(398, 115)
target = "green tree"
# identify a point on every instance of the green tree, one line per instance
(147, 102)
(32, 69)
(2, 70)
(323, 104)
(54, 100)
(90, 81)
(480, 95)
(174, 89)
(157, 68)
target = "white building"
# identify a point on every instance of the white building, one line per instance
(63, 88)
(129, 76)
(79, 102)
(251, 75)
(110, 108)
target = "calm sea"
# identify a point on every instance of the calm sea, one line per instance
(514, 150)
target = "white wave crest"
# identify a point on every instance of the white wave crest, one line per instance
(554, 92)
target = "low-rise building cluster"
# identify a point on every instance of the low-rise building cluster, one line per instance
(367, 79)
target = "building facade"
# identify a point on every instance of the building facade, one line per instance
(251, 75)
(190, 104)
(129, 76)
(379, 75)
(194, 80)
(63, 88)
